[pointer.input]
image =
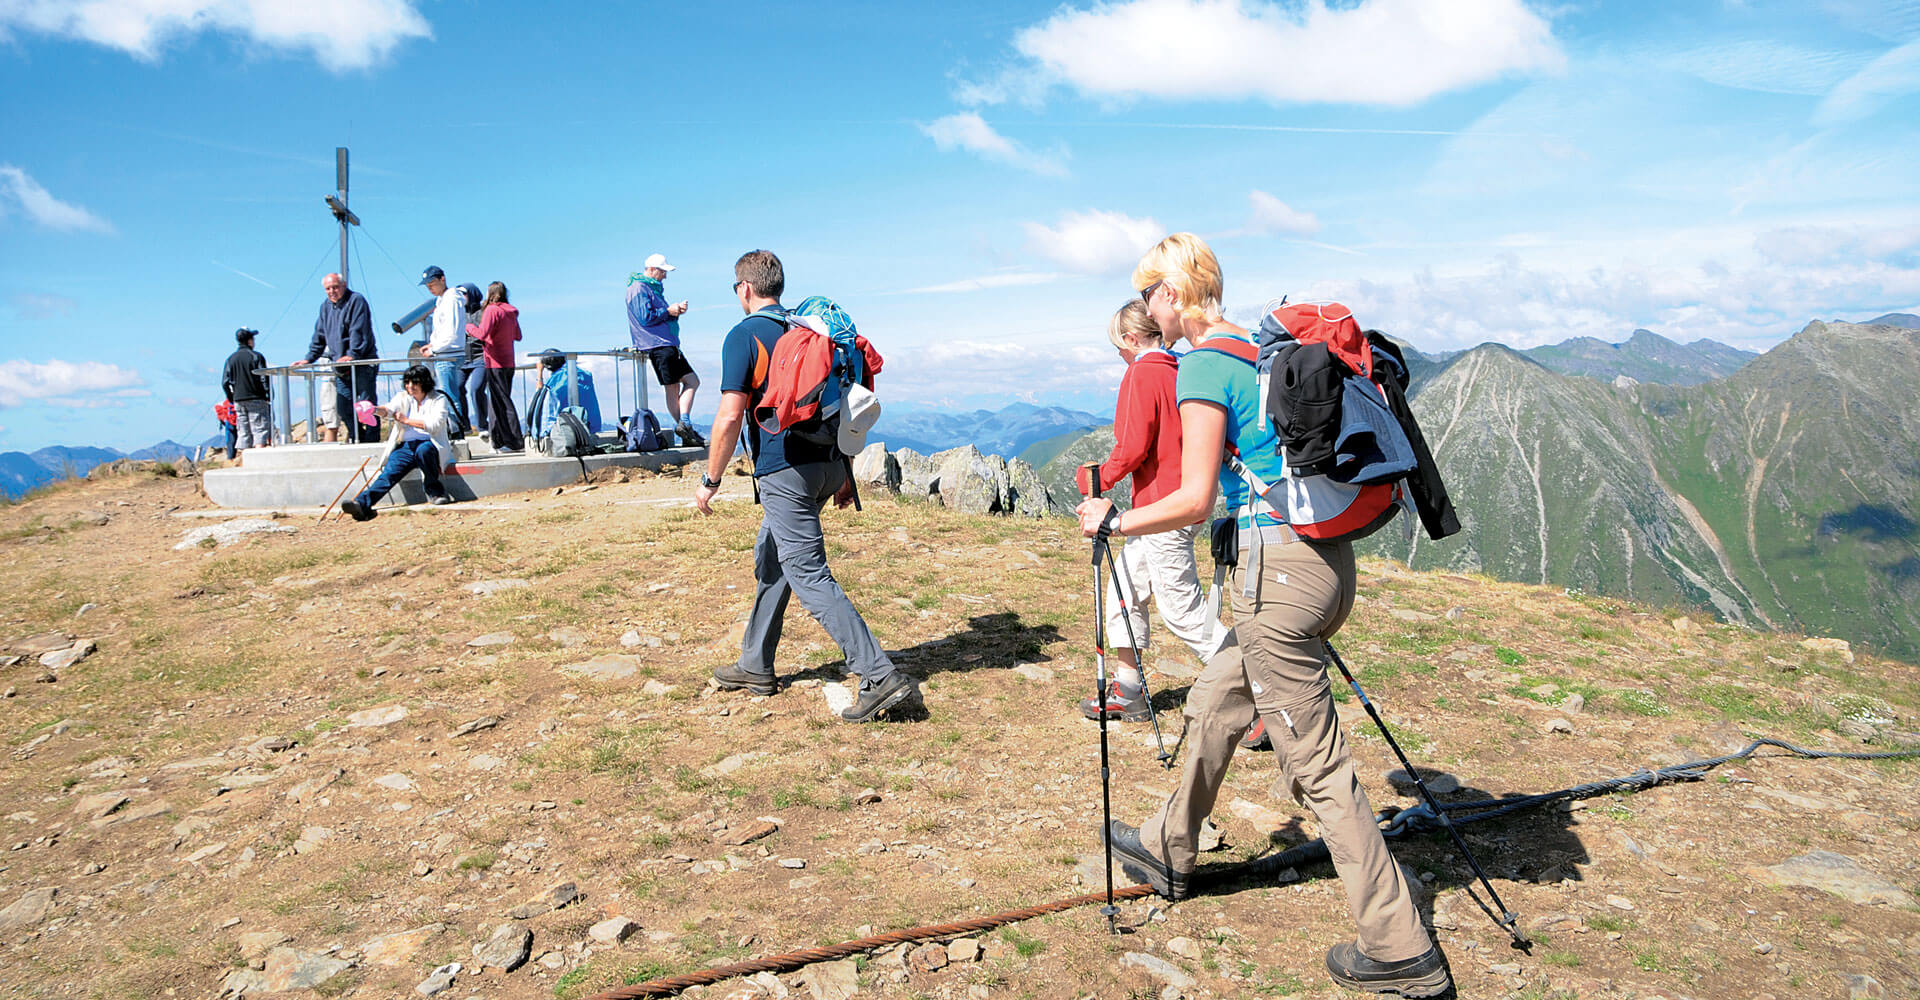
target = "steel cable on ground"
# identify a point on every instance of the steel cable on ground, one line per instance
(1393, 823)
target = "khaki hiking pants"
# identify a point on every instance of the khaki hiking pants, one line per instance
(1160, 566)
(1273, 663)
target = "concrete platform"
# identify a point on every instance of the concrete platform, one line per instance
(308, 475)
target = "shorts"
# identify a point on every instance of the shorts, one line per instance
(669, 365)
(329, 404)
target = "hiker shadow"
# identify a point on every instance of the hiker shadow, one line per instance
(1531, 846)
(991, 641)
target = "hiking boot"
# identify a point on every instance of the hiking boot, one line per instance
(357, 510)
(1118, 705)
(877, 698)
(1140, 865)
(731, 678)
(1420, 976)
(689, 437)
(441, 501)
(1256, 738)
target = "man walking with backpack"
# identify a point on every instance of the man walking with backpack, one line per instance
(655, 328)
(795, 476)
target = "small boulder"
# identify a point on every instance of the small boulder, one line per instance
(506, 950)
(613, 930)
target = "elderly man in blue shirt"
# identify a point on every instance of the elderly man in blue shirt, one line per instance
(343, 333)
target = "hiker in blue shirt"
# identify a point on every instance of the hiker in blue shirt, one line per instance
(655, 328)
(794, 478)
(1291, 595)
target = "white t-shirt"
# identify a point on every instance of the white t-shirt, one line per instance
(434, 413)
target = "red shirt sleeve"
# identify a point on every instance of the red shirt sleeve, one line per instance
(1133, 430)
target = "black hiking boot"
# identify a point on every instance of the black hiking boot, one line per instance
(357, 510)
(1420, 976)
(731, 678)
(877, 698)
(689, 438)
(1140, 865)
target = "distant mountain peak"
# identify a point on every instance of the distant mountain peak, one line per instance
(1905, 321)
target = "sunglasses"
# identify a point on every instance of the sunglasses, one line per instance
(1146, 294)
(737, 284)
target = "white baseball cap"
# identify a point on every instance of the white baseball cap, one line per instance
(659, 260)
(857, 415)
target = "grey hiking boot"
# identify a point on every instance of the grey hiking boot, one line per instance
(1420, 976)
(731, 678)
(1140, 865)
(877, 698)
(1118, 704)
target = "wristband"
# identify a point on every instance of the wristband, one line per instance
(709, 483)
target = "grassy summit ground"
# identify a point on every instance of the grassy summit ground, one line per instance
(229, 771)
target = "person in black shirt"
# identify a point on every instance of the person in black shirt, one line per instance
(247, 391)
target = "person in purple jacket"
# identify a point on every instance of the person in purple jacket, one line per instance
(655, 327)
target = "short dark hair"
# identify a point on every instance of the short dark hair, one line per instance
(762, 272)
(245, 336)
(419, 375)
(496, 292)
(552, 360)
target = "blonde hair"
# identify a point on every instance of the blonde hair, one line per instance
(1132, 319)
(1185, 263)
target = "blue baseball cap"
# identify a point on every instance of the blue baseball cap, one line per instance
(431, 273)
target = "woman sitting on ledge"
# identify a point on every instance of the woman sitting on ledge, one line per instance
(422, 416)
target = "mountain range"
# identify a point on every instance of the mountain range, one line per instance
(1005, 432)
(21, 472)
(1784, 493)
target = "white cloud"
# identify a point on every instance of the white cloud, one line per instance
(20, 193)
(1764, 65)
(341, 35)
(1740, 287)
(1273, 217)
(1094, 242)
(54, 381)
(968, 131)
(933, 368)
(1377, 52)
(1011, 279)
(1892, 76)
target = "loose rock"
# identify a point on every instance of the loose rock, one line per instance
(613, 930)
(1158, 968)
(1840, 875)
(506, 950)
(29, 910)
(440, 981)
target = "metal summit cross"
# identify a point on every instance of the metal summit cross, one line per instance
(338, 203)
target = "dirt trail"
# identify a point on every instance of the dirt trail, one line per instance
(353, 753)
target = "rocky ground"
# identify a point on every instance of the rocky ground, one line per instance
(472, 749)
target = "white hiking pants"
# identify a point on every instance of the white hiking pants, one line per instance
(1160, 566)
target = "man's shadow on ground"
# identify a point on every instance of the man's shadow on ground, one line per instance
(996, 641)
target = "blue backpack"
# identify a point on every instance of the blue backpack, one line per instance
(643, 432)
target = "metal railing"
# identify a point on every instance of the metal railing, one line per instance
(387, 372)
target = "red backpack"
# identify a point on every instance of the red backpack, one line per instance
(805, 377)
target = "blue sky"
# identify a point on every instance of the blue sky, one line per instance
(973, 182)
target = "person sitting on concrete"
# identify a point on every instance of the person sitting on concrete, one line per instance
(553, 366)
(423, 419)
(249, 393)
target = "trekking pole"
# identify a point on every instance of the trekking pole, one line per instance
(1126, 615)
(1110, 911)
(1507, 919)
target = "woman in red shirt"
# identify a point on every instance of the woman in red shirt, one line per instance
(497, 332)
(1146, 445)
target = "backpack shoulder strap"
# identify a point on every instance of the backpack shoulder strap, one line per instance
(1232, 347)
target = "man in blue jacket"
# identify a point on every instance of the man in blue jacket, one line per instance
(655, 327)
(344, 332)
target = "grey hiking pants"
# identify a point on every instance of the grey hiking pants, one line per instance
(790, 558)
(1274, 663)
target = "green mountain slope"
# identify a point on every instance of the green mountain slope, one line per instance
(1783, 495)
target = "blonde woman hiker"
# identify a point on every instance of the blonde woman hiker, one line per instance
(1301, 593)
(1158, 566)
